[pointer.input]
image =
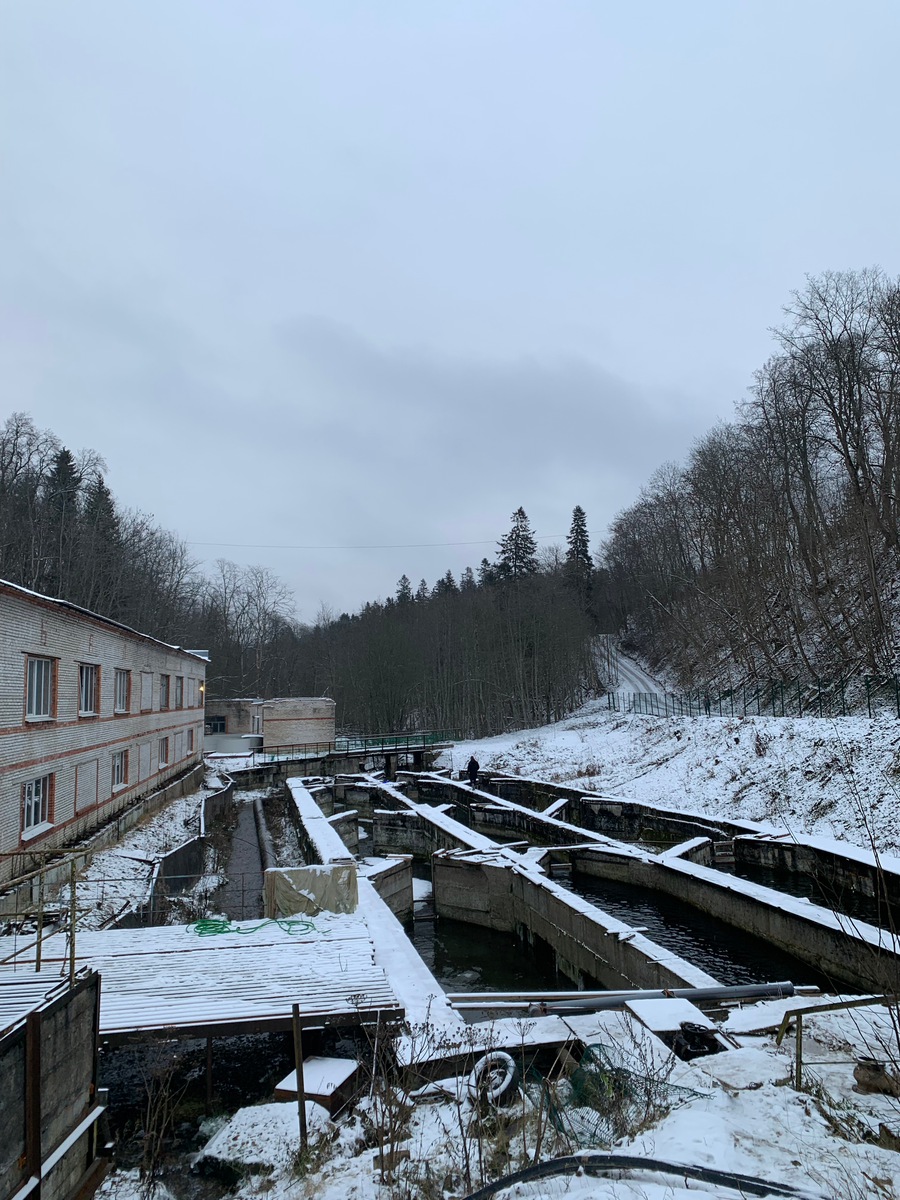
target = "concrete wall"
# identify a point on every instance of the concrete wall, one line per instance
(419, 834)
(63, 1072)
(854, 871)
(845, 950)
(393, 883)
(346, 826)
(75, 752)
(589, 947)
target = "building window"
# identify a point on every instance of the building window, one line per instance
(179, 691)
(163, 753)
(190, 741)
(163, 691)
(36, 802)
(215, 724)
(119, 769)
(87, 690)
(123, 691)
(39, 688)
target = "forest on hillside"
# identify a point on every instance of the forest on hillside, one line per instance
(770, 553)
(510, 646)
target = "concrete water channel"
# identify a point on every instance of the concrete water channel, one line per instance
(570, 889)
(508, 864)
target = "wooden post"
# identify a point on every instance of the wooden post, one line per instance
(40, 921)
(298, 1061)
(209, 1089)
(72, 916)
(33, 1099)
(798, 1068)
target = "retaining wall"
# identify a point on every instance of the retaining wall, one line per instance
(590, 947)
(850, 952)
(17, 898)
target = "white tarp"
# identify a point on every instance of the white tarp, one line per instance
(290, 891)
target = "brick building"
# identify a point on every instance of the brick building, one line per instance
(240, 725)
(92, 716)
(294, 720)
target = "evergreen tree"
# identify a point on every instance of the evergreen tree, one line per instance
(579, 567)
(446, 585)
(63, 486)
(486, 573)
(518, 549)
(467, 580)
(100, 550)
(404, 590)
(422, 592)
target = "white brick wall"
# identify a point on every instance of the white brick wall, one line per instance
(296, 720)
(73, 748)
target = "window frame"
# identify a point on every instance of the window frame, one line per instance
(160, 761)
(179, 692)
(95, 689)
(45, 800)
(119, 759)
(119, 674)
(50, 714)
(164, 688)
(190, 741)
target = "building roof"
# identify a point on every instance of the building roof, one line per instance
(67, 606)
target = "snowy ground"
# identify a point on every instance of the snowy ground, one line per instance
(740, 1115)
(834, 777)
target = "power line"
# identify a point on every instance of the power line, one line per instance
(397, 546)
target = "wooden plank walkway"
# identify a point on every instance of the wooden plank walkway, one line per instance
(170, 980)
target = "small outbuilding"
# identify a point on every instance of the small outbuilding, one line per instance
(251, 723)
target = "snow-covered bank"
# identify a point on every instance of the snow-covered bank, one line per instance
(833, 777)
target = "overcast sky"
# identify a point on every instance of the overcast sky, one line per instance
(375, 274)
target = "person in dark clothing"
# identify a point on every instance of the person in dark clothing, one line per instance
(472, 770)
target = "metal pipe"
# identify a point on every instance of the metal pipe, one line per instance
(596, 1001)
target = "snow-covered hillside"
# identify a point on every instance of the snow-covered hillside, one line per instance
(809, 774)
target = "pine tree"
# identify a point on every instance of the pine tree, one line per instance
(404, 590)
(518, 549)
(467, 580)
(63, 485)
(579, 567)
(486, 573)
(422, 592)
(99, 549)
(446, 585)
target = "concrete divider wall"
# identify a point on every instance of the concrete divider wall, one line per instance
(845, 869)
(847, 951)
(393, 883)
(320, 842)
(489, 810)
(346, 825)
(589, 946)
(422, 832)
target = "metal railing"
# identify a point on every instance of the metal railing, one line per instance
(401, 742)
(817, 697)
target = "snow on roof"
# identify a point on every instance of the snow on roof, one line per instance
(68, 606)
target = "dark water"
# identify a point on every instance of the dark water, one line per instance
(836, 899)
(467, 958)
(726, 953)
